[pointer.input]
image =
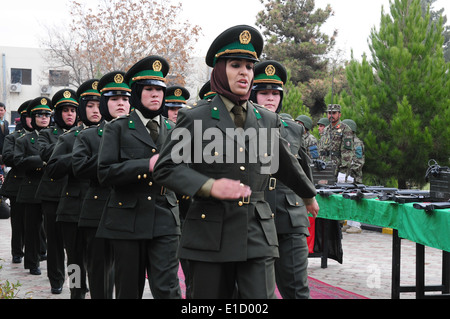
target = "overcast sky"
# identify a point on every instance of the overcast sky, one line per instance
(21, 20)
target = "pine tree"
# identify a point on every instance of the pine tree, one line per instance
(400, 99)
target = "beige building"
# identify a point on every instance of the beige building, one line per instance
(25, 76)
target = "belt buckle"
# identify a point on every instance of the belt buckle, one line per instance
(244, 201)
(272, 183)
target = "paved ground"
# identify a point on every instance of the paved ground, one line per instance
(366, 268)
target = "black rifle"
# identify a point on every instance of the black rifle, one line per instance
(431, 206)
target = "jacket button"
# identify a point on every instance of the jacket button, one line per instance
(144, 176)
(242, 168)
(139, 176)
(240, 203)
(203, 216)
(150, 184)
(120, 204)
(149, 198)
(95, 197)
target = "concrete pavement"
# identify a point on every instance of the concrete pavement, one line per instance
(366, 268)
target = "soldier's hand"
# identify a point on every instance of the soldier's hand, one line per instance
(152, 162)
(225, 188)
(313, 208)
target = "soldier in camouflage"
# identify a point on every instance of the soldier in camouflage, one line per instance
(309, 140)
(355, 170)
(336, 143)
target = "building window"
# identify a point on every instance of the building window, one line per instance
(58, 78)
(22, 76)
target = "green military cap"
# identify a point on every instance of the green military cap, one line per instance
(351, 123)
(89, 90)
(176, 96)
(113, 83)
(151, 70)
(286, 116)
(269, 75)
(241, 42)
(65, 96)
(306, 120)
(23, 107)
(205, 92)
(39, 105)
(324, 121)
(334, 108)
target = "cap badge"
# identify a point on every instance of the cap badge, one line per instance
(118, 78)
(95, 85)
(157, 66)
(67, 94)
(43, 102)
(270, 70)
(178, 92)
(245, 37)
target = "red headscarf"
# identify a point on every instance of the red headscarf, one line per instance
(219, 83)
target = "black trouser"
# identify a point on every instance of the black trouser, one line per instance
(98, 264)
(76, 267)
(33, 235)
(254, 279)
(55, 245)
(17, 227)
(156, 257)
(291, 269)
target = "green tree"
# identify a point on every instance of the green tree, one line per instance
(293, 99)
(400, 99)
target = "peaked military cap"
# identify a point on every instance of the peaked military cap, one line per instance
(241, 41)
(151, 70)
(39, 105)
(23, 107)
(269, 75)
(89, 90)
(177, 96)
(113, 83)
(205, 92)
(334, 107)
(65, 96)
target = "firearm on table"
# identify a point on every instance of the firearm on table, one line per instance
(431, 206)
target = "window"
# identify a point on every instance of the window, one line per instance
(22, 76)
(58, 78)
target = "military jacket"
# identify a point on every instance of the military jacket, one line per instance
(138, 207)
(60, 165)
(291, 216)
(14, 177)
(358, 161)
(311, 147)
(27, 158)
(228, 230)
(84, 161)
(49, 188)
(337, 146)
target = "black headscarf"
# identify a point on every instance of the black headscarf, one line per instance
(136, 93)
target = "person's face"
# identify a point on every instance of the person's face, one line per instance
(270, 99)
(240, 75)
(118, 105)
(321, 128)
(173, 113)
(152, 97)
(334, 116)
(42, 119)
(2, 112)
(93, 111)
(69, 115)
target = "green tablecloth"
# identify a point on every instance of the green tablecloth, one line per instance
(430, 229)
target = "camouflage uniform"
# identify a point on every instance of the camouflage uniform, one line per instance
(336, 144)
(309, 140)
(355, 170)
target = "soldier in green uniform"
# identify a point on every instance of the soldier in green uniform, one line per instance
(309, 140)
(291, 217)
(176, 98)
(336, 143)
(205, 92)
(11, 184)
(355, 171)
(84, 164)
(229, 236)
(322, 123)
(69, 206)
(27, 158)
(141, 218)
(49, 191)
